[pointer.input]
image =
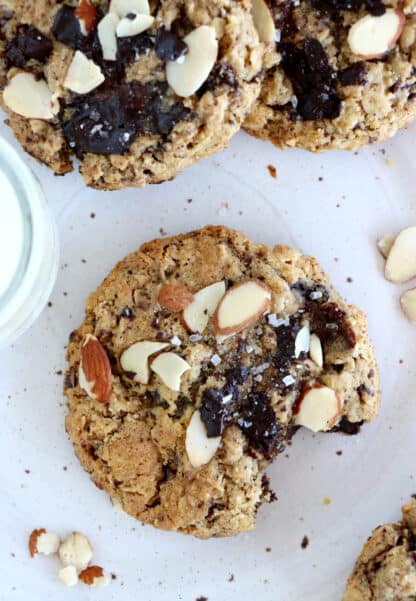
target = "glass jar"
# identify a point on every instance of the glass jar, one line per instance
(29, 251)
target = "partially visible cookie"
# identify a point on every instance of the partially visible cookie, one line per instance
(198, 359)
(386, 567)
(324, 88)
(137, 92)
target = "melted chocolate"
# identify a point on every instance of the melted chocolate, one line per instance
(108, 121)
(67, 29)
(28, 43)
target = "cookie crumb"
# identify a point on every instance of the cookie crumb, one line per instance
(201, 599)
(349, 280)
(338, 453)
(49, 304)
(327, 501)
(305, 542)
(231, 578)
(92, 215)
(272, 170)
(268, 549)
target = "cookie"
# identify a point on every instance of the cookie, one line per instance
(386, 569)
(136, 92)
(322, 90)
(199, 358)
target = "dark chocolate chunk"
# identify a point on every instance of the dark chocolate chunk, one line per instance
(259, 423)
(130, 48)
(221, 74)
(168, 46)
(355, 75)
(213, 412)
(28, 43)
(329, 322)
(67, 29)
(108, 121)
(312, 78)
(348, 427)
(285, 339)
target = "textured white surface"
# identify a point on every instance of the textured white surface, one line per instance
(337, 219)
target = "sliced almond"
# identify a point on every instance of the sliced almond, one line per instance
(129, 27)
(75, 551)
(408, 303)
(43, 542)
(315, 350)
(124, 7)
(170, 368)
(186, 75)
(241, 306)
(199, 448)
(94, 576)
(401, 262)
(371, 37)
(263, 21)
(95, 370)
(135, 359)
(302, 341)
(30, 97)
(384, 245)
(107, 28)
(175, 297)
(318, 409)
(86, 13)
(83, 75)
(68, 575)
(197, 314)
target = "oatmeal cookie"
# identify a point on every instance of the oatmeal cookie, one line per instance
(320, 90)
(198, 359)
(386, 569)
(136, 91)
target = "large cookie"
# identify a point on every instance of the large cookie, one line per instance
(180, 427)
(318, 93)
(386, 568)
(159, 101)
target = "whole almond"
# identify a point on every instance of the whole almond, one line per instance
(97, 369)
(87, 13)
(175, 297)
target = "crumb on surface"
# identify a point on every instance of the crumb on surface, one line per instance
(349, 279)
(268, 549)
(231, 578)
(49, 304)
(92, 215)
(338, 453)
(327, 501)
(272, 170)
(305, 542)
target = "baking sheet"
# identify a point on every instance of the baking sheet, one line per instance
(333, 206)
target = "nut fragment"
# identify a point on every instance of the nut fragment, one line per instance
(124, 7)
(43, 542)
(174, 297)
(94, 576)
(75, 551)
(83, 75)
(107, 36)
(129, 27)
(170, 368)
(30, 98)
(315, 350)
(401, 262)
(135, 359)
(302, 341)
(263, 21)
(86, 13)
(318, 409)
(187, 74)
(68, 575)
(384, 245)
(205, 302)
(95, 370)
(408, 303)
(371, 37)
(200, 449)
(241, 306)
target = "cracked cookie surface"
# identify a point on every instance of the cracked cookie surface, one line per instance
(386, 568)
(141, 444)
(317, 94)
(132, 129)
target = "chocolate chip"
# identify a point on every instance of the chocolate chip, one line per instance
(348, 427)
(130, 48)
(221, 74)
(355, 75)
(312, 78)
(108, 121)
(67, 29)
(28, 43)
(168, 46)
(213, 412)
(259, 423)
